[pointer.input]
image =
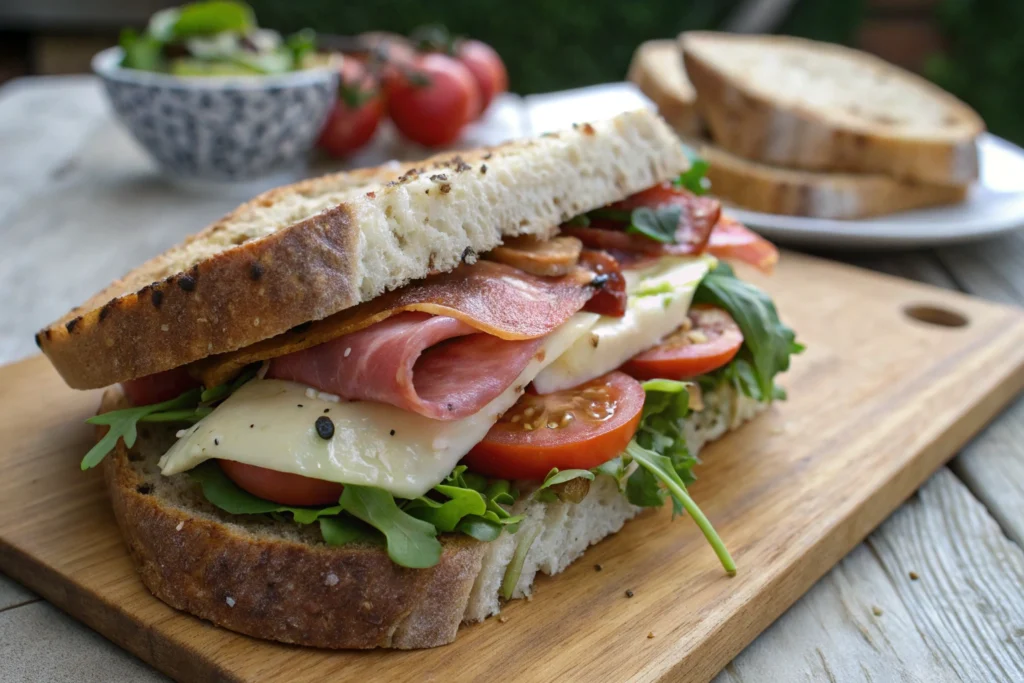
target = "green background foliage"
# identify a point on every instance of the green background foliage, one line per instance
(552, 45)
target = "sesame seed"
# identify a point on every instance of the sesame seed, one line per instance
(230, 600)
(348, 352)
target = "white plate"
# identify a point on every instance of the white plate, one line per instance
(994, 205)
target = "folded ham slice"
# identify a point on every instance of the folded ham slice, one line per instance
(436, 366)
(490, 297)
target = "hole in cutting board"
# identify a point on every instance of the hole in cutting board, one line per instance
(935, 315)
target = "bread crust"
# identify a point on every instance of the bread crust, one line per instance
(678, 105)
(350, 597)
(751, 125)
(260, 271)
(818, 194)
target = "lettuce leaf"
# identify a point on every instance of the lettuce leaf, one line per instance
(767, 342)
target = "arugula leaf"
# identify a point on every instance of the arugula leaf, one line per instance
(515, 567)
(343, 529)
(480, 528)
(555, 477)
(694, 178)
(767, 341)
(447, 515)
(214, 16)
(124, 423)
(658, 224)
(411, 542)
(661, 468)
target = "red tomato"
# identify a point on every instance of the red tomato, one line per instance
(488, 70)
(611, 299)
(710, 342)
(281, 487)
(163, 386)
(580, 427)
(353, 121)
(730, 239)
(433, 99)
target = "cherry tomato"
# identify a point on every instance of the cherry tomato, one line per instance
(433, 99)
(488, 70)
(730, 239)
(710, 341)
(354, 118)
(580, 427)
(281, 487)
(163, 386)
(611, 299)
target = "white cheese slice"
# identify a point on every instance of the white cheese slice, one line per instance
(659, 298)
(270, 423)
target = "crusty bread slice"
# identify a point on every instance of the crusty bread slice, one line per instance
(771, 189)
(803, 104)
(277, 580)
(305, 251)
(657, 69)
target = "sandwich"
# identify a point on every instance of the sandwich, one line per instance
(364, 409)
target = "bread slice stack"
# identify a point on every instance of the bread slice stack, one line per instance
(803, 128)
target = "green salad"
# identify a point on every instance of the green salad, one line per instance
(214, 38)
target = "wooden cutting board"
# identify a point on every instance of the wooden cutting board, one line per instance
(877, 403)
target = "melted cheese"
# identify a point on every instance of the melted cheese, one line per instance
(270, 423)
(659, 298)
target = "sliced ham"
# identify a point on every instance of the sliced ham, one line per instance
(489, 297)
(436, 366)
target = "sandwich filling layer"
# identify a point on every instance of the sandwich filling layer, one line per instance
(449, 405)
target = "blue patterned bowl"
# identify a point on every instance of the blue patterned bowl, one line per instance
(225, 128)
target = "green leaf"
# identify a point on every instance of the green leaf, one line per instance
(411, 542)
(581, 221)
(556, 476)
(446, 516)
(480, 528)
(643, 489)
(665, 386)
(662, 469)
(215, 16)
(141, 52)
(301, 44)
(123, 424)
(515, 567)
(767, 342)
(658, 224)
(343, 529)
(694, 178)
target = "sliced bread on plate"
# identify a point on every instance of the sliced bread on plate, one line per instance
(657, 69)
(833, 195)
(804, 104)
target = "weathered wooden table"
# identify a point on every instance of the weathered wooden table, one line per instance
(935, 594)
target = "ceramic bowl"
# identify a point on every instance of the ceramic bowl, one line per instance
(220, 128)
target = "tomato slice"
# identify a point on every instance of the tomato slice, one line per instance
(580, 428)
(163, 386)
(281, 487)
(611, 299)
(730, 239)
(709, 341)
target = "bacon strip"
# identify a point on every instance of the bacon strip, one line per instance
(436, 366)
(732, 240)
(490, 297)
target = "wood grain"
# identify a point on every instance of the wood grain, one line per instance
(877, 403)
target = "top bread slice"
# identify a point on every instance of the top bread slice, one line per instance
(657, 69)
(305, 251)
(804, 104)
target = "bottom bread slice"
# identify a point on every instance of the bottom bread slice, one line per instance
(771, 189)
(277, 580)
